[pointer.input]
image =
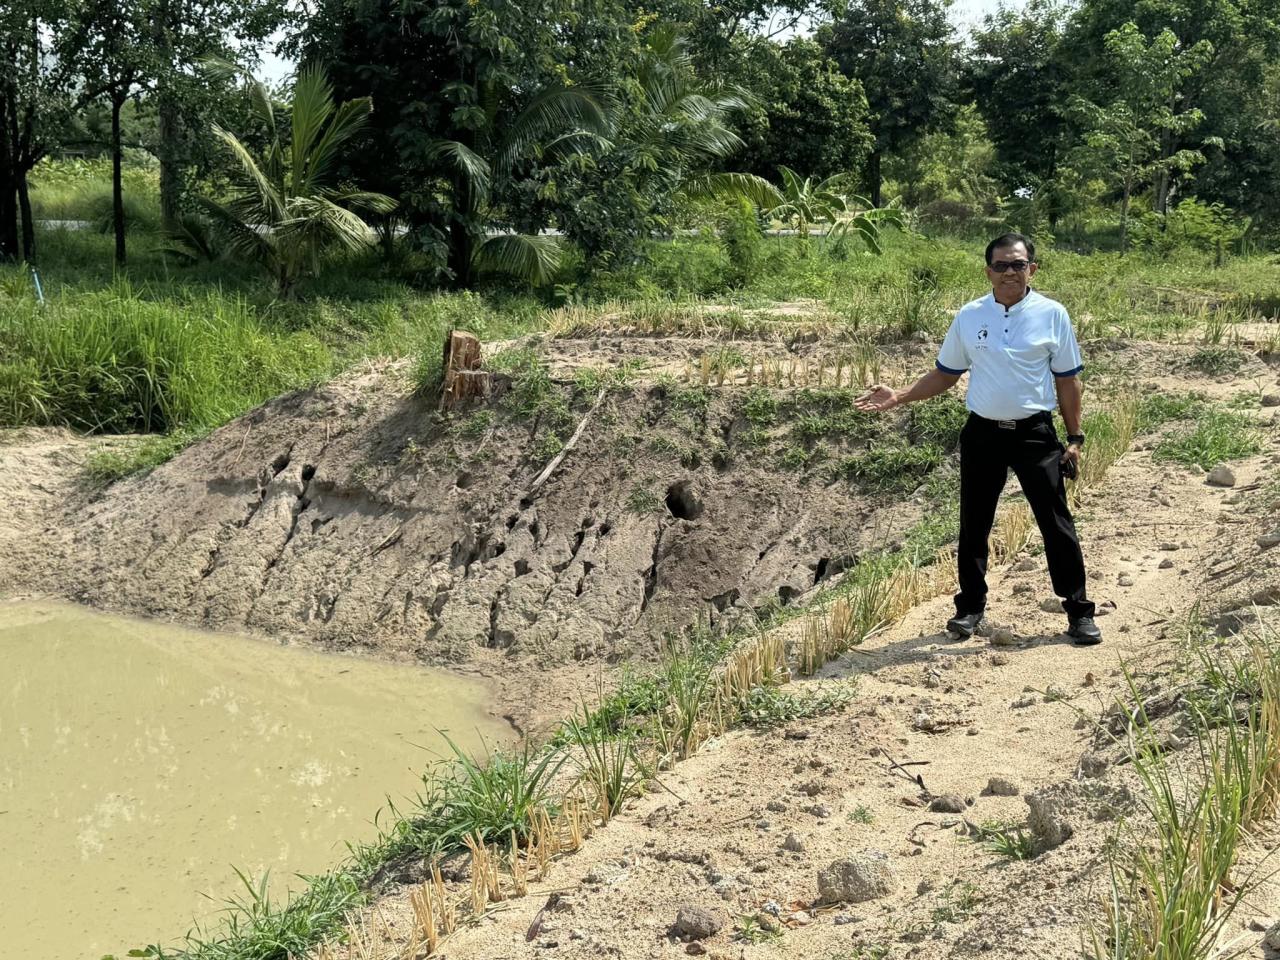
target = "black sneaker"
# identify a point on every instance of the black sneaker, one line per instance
(965, 625)
(1084, 632)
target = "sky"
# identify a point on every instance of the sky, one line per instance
(964, 14)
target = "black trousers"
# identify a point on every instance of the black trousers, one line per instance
(1032, 451)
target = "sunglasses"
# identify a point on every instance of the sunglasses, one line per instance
(1017, 266)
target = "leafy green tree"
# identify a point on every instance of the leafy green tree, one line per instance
(42, 46)
(956, 165)
(182, 34)
(904, 54)
(1243, 38)
(1126, 140)
(1019, 81)
(471, 96)
(804, 113)
(288, 212)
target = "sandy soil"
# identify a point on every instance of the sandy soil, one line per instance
(746, 824)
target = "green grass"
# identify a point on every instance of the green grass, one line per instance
(956, 903)
(1007, 839)
(106, 464)
(610, 760)
(770, 706)
(642, 501)
(890, 469)
(1219, 436)
(112, 362)
(829, 413)
(1174, 885)
(760, 406)
(861, 814)
(749, 929)
(1157, 409)
(1216, 361)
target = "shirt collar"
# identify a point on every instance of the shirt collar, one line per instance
(1017, 307)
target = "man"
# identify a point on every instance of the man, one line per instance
(1019, 350)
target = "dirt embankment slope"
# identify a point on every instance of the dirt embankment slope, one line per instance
(353, 515)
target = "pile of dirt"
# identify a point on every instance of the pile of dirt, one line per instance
(353, 514)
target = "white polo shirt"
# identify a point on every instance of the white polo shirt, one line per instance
(1012, 354)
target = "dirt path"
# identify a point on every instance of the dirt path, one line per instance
(41, 477)
(746, 824)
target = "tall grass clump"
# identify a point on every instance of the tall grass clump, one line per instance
(112, 362)
(463, 797)
(1172, 889)
(611, 763)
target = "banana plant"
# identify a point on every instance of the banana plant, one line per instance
(805, 203)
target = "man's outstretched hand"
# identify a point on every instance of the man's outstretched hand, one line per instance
(877, 399)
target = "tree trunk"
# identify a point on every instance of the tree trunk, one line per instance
(1124, 218)
(462, 377)
(168, 117)
(170, 150)
(28, 224)
(1164, 178)
(874, 180)
(8, 219)
(460, 254)
(8, 179)
(117, 188)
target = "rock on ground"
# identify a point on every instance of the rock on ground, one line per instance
(1001, 787)
(1047, 820)
(855, 879)
(696, 923)
(1221, 476)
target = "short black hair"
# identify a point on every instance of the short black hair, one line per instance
(1008, 240)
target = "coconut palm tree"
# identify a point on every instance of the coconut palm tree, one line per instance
(556, 122)
(288, 211)
(682, 126)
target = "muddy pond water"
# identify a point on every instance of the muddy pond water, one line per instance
(140, 761)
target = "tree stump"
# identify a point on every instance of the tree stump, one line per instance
(463, 378)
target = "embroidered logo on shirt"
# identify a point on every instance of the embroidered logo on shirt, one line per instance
(982, 338)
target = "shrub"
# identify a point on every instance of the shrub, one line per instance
(743, 241)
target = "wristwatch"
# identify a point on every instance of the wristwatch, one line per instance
(1075, 438)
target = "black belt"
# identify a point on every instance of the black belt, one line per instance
(1026, 423)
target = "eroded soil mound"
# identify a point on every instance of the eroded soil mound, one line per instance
(355, 514)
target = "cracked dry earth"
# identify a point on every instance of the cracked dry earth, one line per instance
(746, 824)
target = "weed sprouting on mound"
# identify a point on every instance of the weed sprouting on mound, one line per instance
(1216, 360)
(1218, 436)
(768, 706)
(109, 464)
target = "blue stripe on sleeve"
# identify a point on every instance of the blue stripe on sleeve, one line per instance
(954, 373)
(1069, 373)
